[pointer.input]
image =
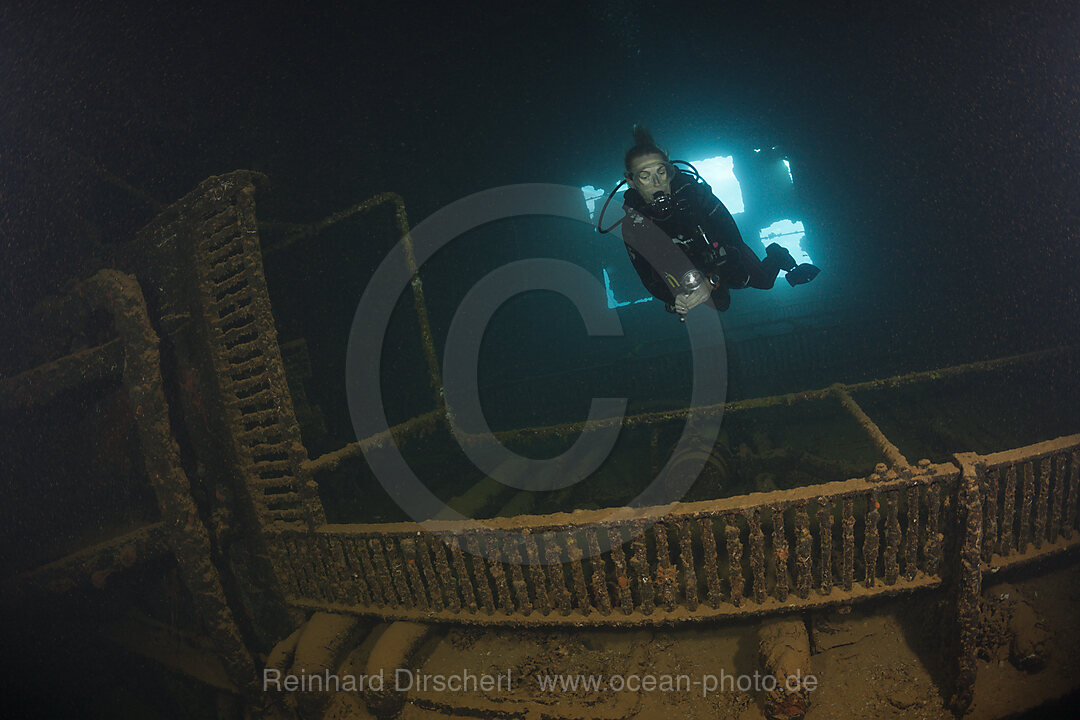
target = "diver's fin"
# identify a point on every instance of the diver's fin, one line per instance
(802, 274)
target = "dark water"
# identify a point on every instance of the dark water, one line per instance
(933, 152)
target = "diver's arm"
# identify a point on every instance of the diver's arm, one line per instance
(659, 263)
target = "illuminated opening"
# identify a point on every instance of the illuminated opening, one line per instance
(592, 194)
(719, 172)
(789, 235)
(612, 303)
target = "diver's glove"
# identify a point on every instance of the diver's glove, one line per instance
(695, 290)
(802, 274)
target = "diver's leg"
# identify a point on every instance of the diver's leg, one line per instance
(762, 273)
(720, 297)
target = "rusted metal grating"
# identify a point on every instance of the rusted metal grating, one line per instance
(232, 299)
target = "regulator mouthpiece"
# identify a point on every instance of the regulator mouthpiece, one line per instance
(662, 205)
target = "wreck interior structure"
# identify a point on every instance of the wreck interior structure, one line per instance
(176, 496)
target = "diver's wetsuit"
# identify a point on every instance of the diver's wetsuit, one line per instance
(704, 230)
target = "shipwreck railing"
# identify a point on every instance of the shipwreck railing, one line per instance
(905, 528)
(918, 526)
(1009, 518)
(748, 555)
(1029, 506)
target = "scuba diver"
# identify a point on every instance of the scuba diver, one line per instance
(667, 208)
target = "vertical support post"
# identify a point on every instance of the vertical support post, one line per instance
(577, 574)
(757, 556)
(825, 527)
(382, 571)
(1026, 504)
(412, 570)
(641, 571)
(686, 560)
(618, 560)
(355, 583)
(870, 541)
(968, 586)
(1042, 502)
(462, 573)
(780, 552)
(359, 548)
(847, 509)
(1071, 500)
(423, 550)
(892, 538)
(911, 537)
(495, 568)
(734, 551)
(804, 545)
(1008, 513)
(599, 573)
(709, 554)
(401, 218)
(1058, 500)
(536, 573)
(336, 574)
(438, 548)
(934, 537)
(988, 484)
(480, 575)
(397, 572)
(666, 574)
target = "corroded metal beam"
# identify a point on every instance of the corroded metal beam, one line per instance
(95, 564)
(968, 586)
(890, 451)
(41, 384)
(426, 422)
(299, 233)
(119, 294)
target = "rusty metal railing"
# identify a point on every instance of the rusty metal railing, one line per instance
(749, 555)
(842, 391)
(1029, 498)
(1007, 517)
(905, 528)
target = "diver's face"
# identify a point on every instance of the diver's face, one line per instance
(650, 175)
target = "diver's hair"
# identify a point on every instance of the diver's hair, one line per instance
(643, 145)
